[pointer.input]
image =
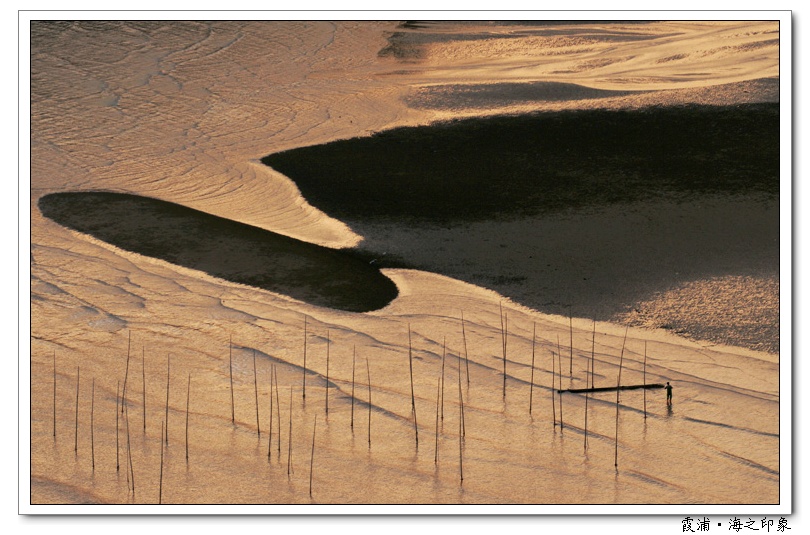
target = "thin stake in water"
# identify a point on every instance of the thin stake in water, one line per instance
(126, 459)
(126, 371)
(117, 397)
(368, 371)
(585, 444)
(618, 389)
(466, 353)
(188, 402)
(645, 379)
(326, 386)
(444, 354)
(129, 449)
(462, 428)
(504, 327)
(143, 378)
(593, 351)
(354, 355)
(559, 367)
(438, 392)
(256, 395)
(304, 377)
(505, 340)
(54, 394)
(312, 456)
(559, 358)
(168, 370)
(160, 488)
(270, 434)
(587, 395)
(76, 431)
(531, 381)
(278, 416)
(413, 397)
(571, 332)
(230, 371)
(289, 439)
(92, 438)
(553, 404)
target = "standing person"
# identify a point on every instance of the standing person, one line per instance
(669, 393)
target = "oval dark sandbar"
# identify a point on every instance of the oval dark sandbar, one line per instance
(224, 248)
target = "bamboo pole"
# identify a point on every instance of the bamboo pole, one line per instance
(326, 387)
(117, 397)
(92, 425)
(143, 378)
(160, 488)
(553, 404)
(462, 427)
(571, 334)
(76, 432)
(168, 375)
(278, 416)
(505, 340)
(466, 353)
(230, 373)
(438, 391)
(593, 351)
(612, 388)
(531, 381)
(618, 390)
(289, 439)
(444, 353)
(368, 371)
(585, 440)
(126, 370)
(304, 376)
(129, 449)
(559, 367)
(270, 433)
(413, 397)
(188, 403)
(126, 458)
(312, 456)
(588, 394)
(644, 380)
(354, 355)
(503, 344)
(54, 394)
(256, 395)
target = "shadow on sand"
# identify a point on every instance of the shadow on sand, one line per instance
(594, 213)
(224, 248)
(514, 166)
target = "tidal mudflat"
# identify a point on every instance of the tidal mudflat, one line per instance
(555, 205)
(592, 213)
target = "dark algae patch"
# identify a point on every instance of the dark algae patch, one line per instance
(224, 248)
(543, 163)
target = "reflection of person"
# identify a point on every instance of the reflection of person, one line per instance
(669, 393)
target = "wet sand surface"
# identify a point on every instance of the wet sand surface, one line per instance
(183, 111)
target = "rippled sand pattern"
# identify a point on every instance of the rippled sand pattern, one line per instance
(184, 111)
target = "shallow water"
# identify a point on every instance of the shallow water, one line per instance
(183, 112)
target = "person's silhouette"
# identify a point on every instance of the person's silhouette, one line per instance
(669, 393)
